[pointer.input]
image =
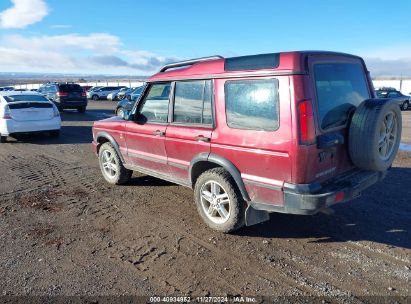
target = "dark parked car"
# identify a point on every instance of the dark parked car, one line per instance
(6, 88)
(135, 94)
(402, 100)
(65, 95)
(126, 104)
(123, 106)
(292, 132)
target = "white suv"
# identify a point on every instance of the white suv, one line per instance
(103, 92)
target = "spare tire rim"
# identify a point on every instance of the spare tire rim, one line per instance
(215, 202)
(388, 136)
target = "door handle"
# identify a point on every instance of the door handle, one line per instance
(202, 138)
(159, 133)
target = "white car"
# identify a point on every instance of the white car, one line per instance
(27, 112)
(102, 92)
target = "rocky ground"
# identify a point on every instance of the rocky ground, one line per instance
(64, 231)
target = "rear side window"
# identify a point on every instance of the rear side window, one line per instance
(341, 87)
(192, 102)
(70, 88)
(252, 104)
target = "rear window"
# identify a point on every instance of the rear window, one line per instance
(340, 87)
(13, 98)
(70, 88)
(28, 105)
(252, 104)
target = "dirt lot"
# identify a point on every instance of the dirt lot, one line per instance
(64, 231)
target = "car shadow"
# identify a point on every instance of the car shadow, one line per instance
(381, 215)
(68, 135)
(148, 181)
(89, 115)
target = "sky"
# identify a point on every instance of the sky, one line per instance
(137, 37)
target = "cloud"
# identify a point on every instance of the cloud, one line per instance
(384, 67)
(95, 53)
(99, 42)
(61, 26)
(394, 60)
(23, 13)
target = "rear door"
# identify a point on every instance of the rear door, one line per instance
(339, 84)
(191, 127)
(253, 119)
(145, 136)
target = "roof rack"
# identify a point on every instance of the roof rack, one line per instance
(188, 62)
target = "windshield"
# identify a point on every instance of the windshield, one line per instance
(22, 97)
(341, 87)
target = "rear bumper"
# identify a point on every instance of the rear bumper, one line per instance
(72, 104)
(10, 127)
(311, 198)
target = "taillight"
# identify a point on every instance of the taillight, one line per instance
(62, 94)
(83, 94)
(7, 113)
(306, 122)
(339, 196)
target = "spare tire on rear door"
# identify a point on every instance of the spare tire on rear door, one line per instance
(374, 135)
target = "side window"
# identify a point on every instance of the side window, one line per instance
(154, 107)
(52, 89)
(252, 104)
(192, 102)
(393, 94)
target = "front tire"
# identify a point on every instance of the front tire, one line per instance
(218, 201)
(405, 106)
(120, 112)
(111, 166)
(95, 97)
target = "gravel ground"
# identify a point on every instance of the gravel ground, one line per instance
(64, 231)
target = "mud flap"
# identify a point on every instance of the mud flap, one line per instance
(253, 216)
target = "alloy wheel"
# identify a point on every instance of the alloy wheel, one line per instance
(215, 202)
(388, 136)
(109, 164)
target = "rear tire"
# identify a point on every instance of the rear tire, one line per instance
(405, 106)
(218, 201)
(81, 109)
(95, 97)
(3, 139)
(111, 166)
(374, 135)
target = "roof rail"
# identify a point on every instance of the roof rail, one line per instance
(188, 62)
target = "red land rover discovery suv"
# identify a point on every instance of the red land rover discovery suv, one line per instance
(290, 132)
